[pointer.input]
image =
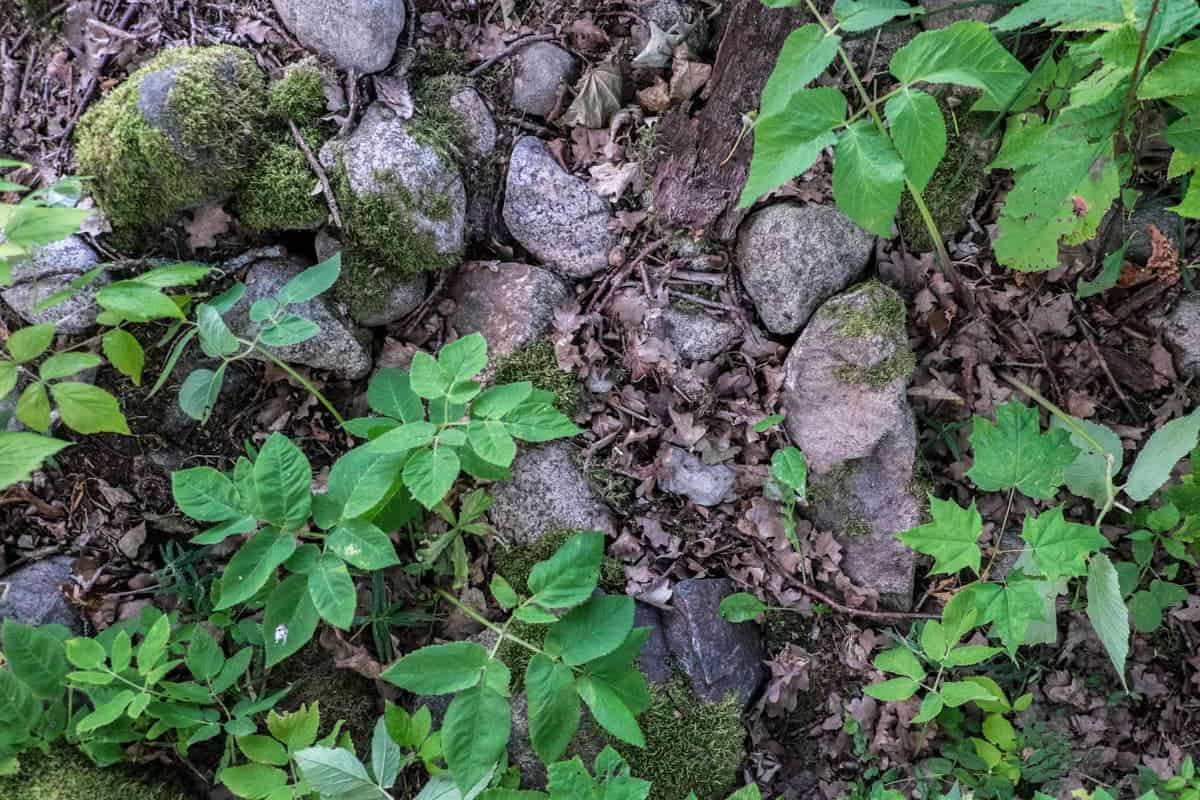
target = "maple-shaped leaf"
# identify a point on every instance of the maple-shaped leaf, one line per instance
(1059, 548)
(952, 538)
(1015, 453)
(597, 98)
(1010, 608)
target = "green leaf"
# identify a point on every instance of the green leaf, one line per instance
(539, 422)
(200, 391)
(1072, 15)
(1145, 612)
(741, 607)
(33, 226)
(391, 394)
(408, 436)
(22, 453)
(790, 470)
(766, 423)
(206, 495)
(253, 564)
(289, 330)
(283, 480)
(863, 15)
(311, 282)
(297, 729)
(262, 750)
(952, 538)
(385, 755)
(1014, 453)
(125, 353)
(363, 545)
(36, 657)
(427, 378)
(1011, 608)
(553, 707)
(900, 661)
(933, 640)
(805, 55)
(609, 708)
(336, 773)
(464, 358)
(919, 132)
(868, 177)
(1089, 475)
(186, 273)
(569, 576)
(216, 339)
(105, 713)
(591, 630)
(963, 53)
(1178, 74)
(30, 342)
(1060, 548)
(290, 619)
(204, 657)
(491, 441)
(33, 407)
(8, 377)
(439, 668)
(1158, 457)
(893, 690)
(137, 302)
(154, 646)
(332, 591)
(64, 365)
(173, 357)
(497, 401)
(85, 653)
(475, 734)
(931, 706)
(970, 655)
(958, 693)
(361, 480)
(430, 474)
(1107, 611)
(88, 409)
(503, 592)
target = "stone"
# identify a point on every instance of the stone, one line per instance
(682, 473)
(31, 596)
(1181, 330)
(696, 335)
(357, 34)
(792, 258)
(542, 73)
(717, 656)
(512, 305)
(844, 396)
(670, 16)
(555, 215)
(654, 660)
(936, 17)
(479, 128)
(547, 492)
(1149, 211)
(336, 348)
(51, 269)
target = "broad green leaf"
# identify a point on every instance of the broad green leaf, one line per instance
(957, 693)
(569, 576)
(1014, 453)
(1107, 611)
(137, 302)
(1177, 74)
(591, 630)
(963, 53)
(491, 441)
(186, 273)
(37, 657)
(262, 750)
(900, 661)
(806, 53)
(206, 495)
(893, 690)
(427, 378)
(970, 655)
(931, 706)
(22, 453)
(33, 407)
(283, 480)
(311, 282)
(463, 358)
(336, 773)
(386, 757)
(253, 564)
(439, 668)
(199, 393)
(85, 653)
(1089, 474)
(429, 475)
(502, 590)
(790, 470)
(408, 436)
(8, 377)
(475, 734)
(741, 607)
(359, 481)
(204, 657)
(553, 707)
(952, 538)
(226, 300)
(362, 545)
(933, 641)
(125, 353)
(30, 342)
(289, 330)
(539, 422)
(297, 729)
(863, 15)
(290, 619)
(868, 177)
(332, 591)
(1145, 612)
(1060, 548)
(33, 226)
(788, 142)
(105, 713)
(154, 646)
(1158, 457)
(609, 709)
(216, 339)
(88, 409)
(497, 401)
(391, 394)
(918, 131)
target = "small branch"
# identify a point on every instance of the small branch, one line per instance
(508, 51)
(330, 200)
(94, 80)
(1131, 93)
(820, 596)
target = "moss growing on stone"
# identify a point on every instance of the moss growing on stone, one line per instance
(515, 563)
(691, 746)
(434, 124)
(277, 192)
(66, 774)
(213, 113)
(832, 498)
(537, 364)
(298, 96)
(441, 60)
(884, 315)
(516, 657)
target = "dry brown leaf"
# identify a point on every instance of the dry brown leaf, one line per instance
(206, 224)
(655, 98)
(687, 76)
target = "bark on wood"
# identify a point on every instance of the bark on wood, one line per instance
(692, 188)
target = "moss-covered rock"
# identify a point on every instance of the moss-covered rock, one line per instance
(515, 563)
(538, 364)
(277, 192)
(298, 96)
(883, 315)
(67, 774)
(180, 132)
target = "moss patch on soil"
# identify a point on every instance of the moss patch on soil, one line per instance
(515, 563)
(66, 774)
(537, 364)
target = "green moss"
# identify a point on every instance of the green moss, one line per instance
(516, 657)
(277, 192)
(515, 563)
(883, 315)
(36, 9)
(537, 364)
(215, 110)
(67, 774)
(434, 124)
(298, 96)
(831, 497)
(441, 60)
(690, 745)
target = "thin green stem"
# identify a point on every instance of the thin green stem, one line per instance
(1135, 77)
(484, 621)
(296, 376)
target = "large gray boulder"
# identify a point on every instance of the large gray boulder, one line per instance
(792, 258)
(511, 304)
(555, 215)
(547, 492)
(31, 594)
(846, 407)
(51, 269)
(543, 72)
(336, 348)
(357, 34)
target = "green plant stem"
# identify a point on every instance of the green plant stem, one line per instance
(1135, 77)
(308, 386)
(470, 612)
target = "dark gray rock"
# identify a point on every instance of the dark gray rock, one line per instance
(30, 595)
(1181, 331)
(847, 409)
(655, 659)
(555, 215)
(357, 34)
(511, 304)
(717, 656)
(336, 348)
(543, 71)
(547, 492)
(792, 258)
(698, 336)
(51, 269)
(1149, 211)
(682, 473)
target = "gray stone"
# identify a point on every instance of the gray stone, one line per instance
(541, 76)
(382, 150)
(555, 215)
(547, 492)
(407, 294)
(1149, 211)
(654, 660)
(511, 304)
(792, 258)
(682, 473)
(51, 269)
(698, 336)
(936, 18)
(479, 128)
(846, 408)
(31, 594)
(357, 34)
(717, 656)
(1182, 334)
(670, 16)
(336, 348)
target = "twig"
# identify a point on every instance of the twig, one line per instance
(37, 23)
(532, 127)
(1087, 335)
(352, 80)
(508, 51)
(700, 301)
(1131, 92)
(94, 79)
(820, 596)
(321, 176)
(605, 292)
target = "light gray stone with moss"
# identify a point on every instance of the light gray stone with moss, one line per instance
(792, 258)
(407, 293)
(846, 406)
(555, 215)
(547, 492)
(357, 34)
(479, 128)
(51, 269)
